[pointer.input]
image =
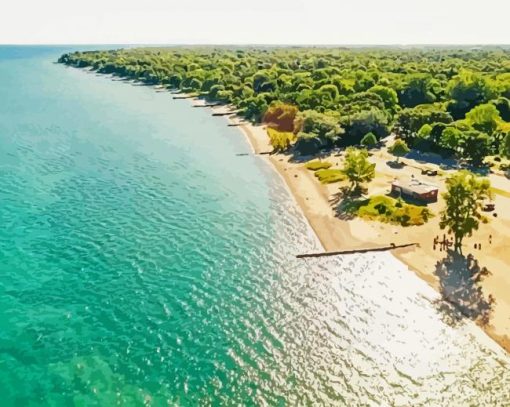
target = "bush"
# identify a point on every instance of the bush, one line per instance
(280, 140)
(369, 140)
(398, 148)
(317, 165)
(329, 176)
(308, 143)
(389, 210)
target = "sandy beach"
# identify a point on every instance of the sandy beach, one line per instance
(318, 203)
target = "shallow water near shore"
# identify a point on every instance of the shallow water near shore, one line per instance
(142, 261)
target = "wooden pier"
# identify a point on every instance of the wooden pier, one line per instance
(224, 113)
(208, 105)
(183, 97)
(373, 249)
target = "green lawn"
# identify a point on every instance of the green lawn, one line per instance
(318, 165)
(328, 176)
(389, 210)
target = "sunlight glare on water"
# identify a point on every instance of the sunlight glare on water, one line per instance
(144, 262)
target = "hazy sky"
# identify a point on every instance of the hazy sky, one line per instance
(255, 21)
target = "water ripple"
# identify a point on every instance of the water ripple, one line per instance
(138, 268)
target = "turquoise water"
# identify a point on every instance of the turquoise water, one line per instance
(143, 262)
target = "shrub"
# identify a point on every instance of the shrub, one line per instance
(318, 165)
(398, 149)
(329, 176)
(280, 140)
(369, 140)
(389, 210)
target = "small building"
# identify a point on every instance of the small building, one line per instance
(415, 189)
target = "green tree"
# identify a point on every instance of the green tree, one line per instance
(417, 89)
(399, 149)
(254, 107)
(484, 118)
(388, 96)
(330, 91)
(451, 138)
(325, 126)
(357, 168)
(367, 121)
(195, 84)
(475, 145)
(369, 140)
(464, 196)
(425, 131)
(410, 121)
(467, 90)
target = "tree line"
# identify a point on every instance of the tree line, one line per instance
(455, 102)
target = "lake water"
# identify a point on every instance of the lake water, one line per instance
(142, 261)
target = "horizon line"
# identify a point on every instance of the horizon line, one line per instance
(221, 44)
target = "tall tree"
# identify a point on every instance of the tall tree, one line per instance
(484, 118)
(357, 168)
(464, 196)
(467, 90)
(417, 89)
(475, 145)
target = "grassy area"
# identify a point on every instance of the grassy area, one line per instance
(501, 192)
(280, 140)
(389, 210)
(317, 165)
(328, 176)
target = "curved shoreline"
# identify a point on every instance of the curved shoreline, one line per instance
(336, 234)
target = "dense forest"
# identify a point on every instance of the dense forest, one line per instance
(455, 102)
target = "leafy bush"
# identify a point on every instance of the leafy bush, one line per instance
(317, 165)
(369, 140)
(398, 149)
(389, 210)
(329, 176)
(280, 140)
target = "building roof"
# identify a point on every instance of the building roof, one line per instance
(415, 185)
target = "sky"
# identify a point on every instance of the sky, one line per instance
(255, 22)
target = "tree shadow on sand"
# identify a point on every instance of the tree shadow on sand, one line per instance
(346, 202)
(461, 293)
(297, 157)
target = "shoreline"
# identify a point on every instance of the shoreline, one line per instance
(314, 201)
